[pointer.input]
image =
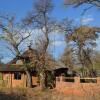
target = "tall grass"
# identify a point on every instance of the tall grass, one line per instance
(36, 94)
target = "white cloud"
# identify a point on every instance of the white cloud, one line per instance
(85, 19)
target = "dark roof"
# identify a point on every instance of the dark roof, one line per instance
(8, 68)
(56, 65)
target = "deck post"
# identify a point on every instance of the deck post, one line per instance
(98, 80)
(77, 79)
(61, 78)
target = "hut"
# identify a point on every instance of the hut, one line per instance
(13, 74)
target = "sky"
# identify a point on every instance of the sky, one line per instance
(20, 8)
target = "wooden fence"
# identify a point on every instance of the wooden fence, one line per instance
(78, 79)
(77, 84)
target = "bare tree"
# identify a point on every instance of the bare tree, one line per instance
(40, 19)
(14, 36)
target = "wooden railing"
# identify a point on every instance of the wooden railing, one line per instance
(68, 79)
(65, 79)
(78, 79)
(88, 80)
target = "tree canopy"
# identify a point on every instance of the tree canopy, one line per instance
(84, 39)
(80, 2)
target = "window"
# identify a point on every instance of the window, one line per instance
(17, 76)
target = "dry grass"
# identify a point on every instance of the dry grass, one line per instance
(36, 94)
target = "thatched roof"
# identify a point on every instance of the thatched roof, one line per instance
(28, 53)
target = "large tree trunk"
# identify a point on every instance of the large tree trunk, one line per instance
(42, 80)
(29, 79)
(41, 71)
(88, 63)
(80, 57)
(50, 80)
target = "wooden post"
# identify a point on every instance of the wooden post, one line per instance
(11, 81)
(2, 76)
(24, 79)
(98, 80)
(77, 79)
(61, 78)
